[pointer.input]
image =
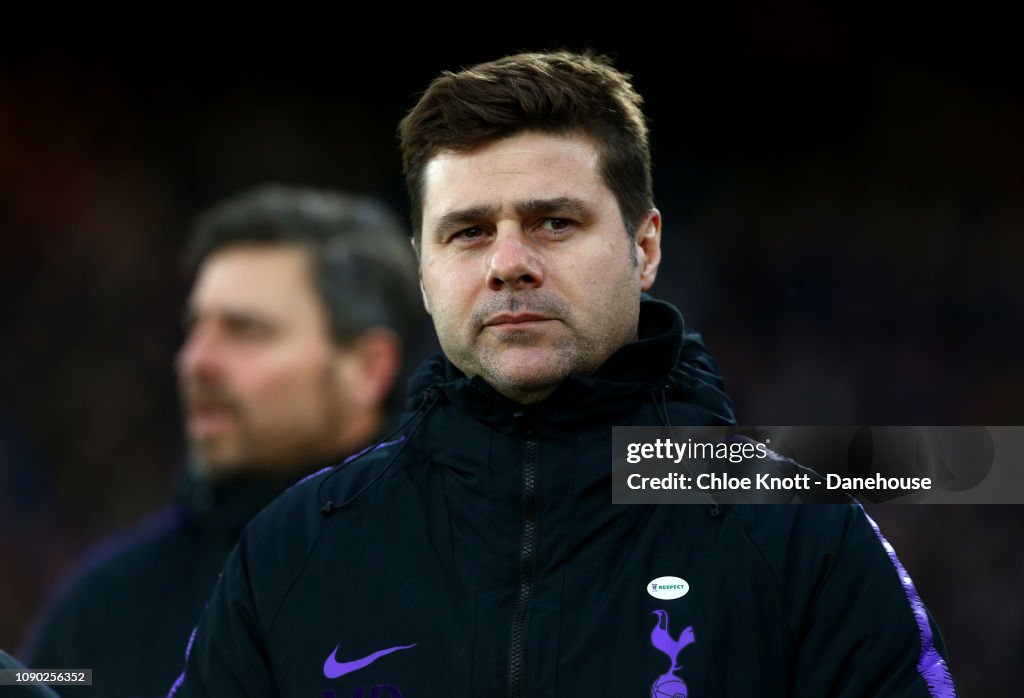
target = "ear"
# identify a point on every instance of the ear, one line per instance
(368, 368)
(648, 242)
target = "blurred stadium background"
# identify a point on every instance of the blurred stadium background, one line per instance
(843, 197)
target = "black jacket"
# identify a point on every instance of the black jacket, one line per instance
(477, 554)
(130, 607)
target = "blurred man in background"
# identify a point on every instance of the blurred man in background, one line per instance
(302, 303)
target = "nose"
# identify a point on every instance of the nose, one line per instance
(514, 262)
(198, 356)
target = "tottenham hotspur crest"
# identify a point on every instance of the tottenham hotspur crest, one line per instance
(668, 685)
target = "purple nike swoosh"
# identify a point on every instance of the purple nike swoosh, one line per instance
(333, 668)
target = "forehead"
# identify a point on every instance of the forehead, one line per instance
(529, 166)
(273, 280)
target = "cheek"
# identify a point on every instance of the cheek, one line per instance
(450, 290)
(604, 290)
(584, 285)
(283, 385)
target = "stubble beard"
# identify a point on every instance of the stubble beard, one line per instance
(225, 455)
(566, 357)
(576, 352)
(486, 355)
(246, 450)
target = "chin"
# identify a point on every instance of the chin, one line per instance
(526, 371)
(214, 464)
(532, 384)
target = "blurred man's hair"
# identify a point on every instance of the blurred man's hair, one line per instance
(558, 93)
(361, 263)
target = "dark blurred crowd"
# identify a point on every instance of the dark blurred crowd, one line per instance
(845, 229)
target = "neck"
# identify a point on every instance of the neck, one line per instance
(351, 435)
(525, 397)
(359, 430)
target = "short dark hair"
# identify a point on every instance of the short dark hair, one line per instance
(361, 263)
(558, 93)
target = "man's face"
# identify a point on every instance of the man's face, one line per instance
(527, 269)
(258, 372)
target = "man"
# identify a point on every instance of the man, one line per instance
(295, 325)
(479, 553)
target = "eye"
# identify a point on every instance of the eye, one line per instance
(556, 226)
(248, 329)
(468, 235)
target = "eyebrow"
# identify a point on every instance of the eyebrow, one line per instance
(559, 204)
(229, 316)
(464, 216)
(531, 207)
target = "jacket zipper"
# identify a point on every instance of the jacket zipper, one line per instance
(527, 548)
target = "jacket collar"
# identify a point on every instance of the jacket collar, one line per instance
(226, 505)
(666, 357)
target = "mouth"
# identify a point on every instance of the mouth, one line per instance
(205, 419)
(517, 321)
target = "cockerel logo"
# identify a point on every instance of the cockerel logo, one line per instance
(669, 685)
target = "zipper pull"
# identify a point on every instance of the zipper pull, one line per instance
(524, 423)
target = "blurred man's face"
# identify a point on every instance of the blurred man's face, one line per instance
(259, 376)
(527, 268)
